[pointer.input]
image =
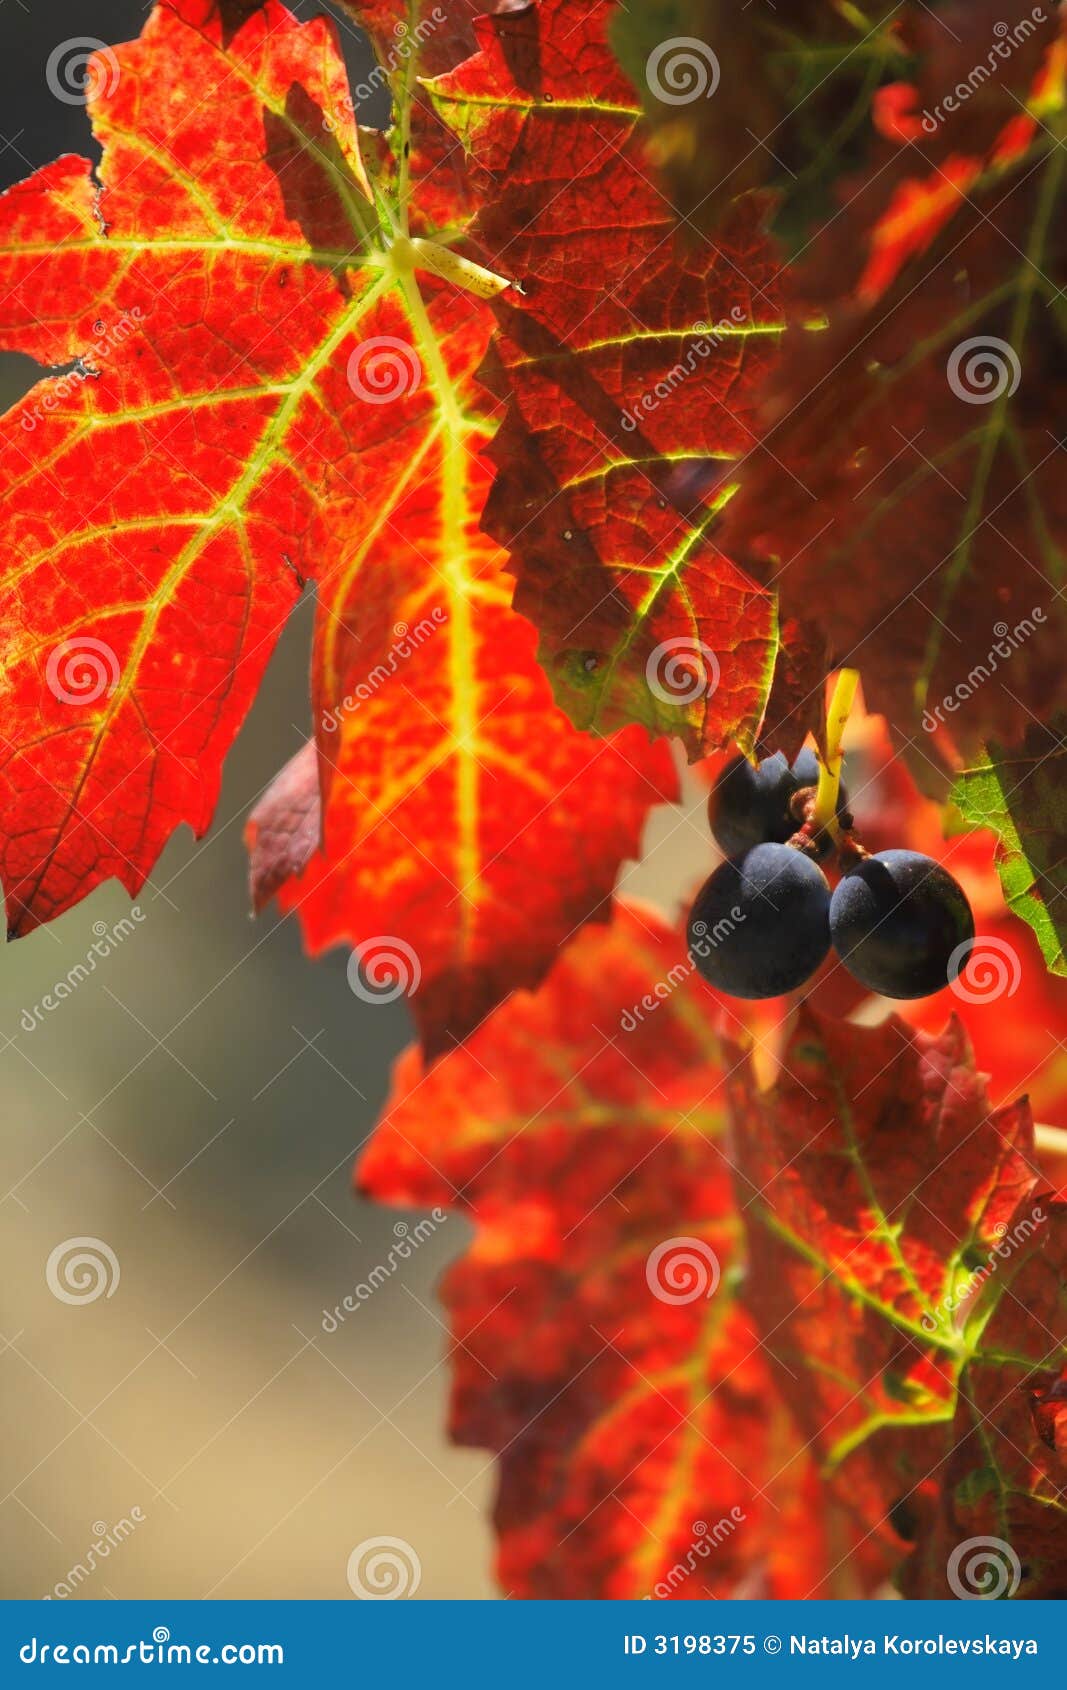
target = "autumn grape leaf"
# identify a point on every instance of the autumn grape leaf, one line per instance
(796, 704)
(1019, 794)
(458, 863)
(641, 1448)
(1001, 1529)
(874, 1177)
(756, 97)
(278, 382)
(630, 370)
(413, 38)
(911, 481)
(494, 828)
(167, 493)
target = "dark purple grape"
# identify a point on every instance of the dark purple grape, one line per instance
(747, 804)
(760, 924)
(753, 806)
(901, 924)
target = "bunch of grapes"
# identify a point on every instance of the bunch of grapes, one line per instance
(766, 918)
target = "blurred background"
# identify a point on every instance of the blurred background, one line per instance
(196, 1104)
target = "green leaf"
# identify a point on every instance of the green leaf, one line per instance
(1020, 795)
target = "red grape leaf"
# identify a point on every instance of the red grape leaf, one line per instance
(1001, 1529)
(416, 37)
(1019, 794)
(912, 473)
(494, 828)
(873, 1177)
(641, 1448)
(457, 865)
(297, 400)
(630, 368)
(167, 494)
(796, 705)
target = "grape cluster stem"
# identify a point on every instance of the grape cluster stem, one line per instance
(824, 818)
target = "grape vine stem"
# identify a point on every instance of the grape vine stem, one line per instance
(1053, 1140)
(844, 696)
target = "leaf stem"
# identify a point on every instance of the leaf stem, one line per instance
(410, 253)
(1053, 1140)
(453, 267)
(844, 695)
